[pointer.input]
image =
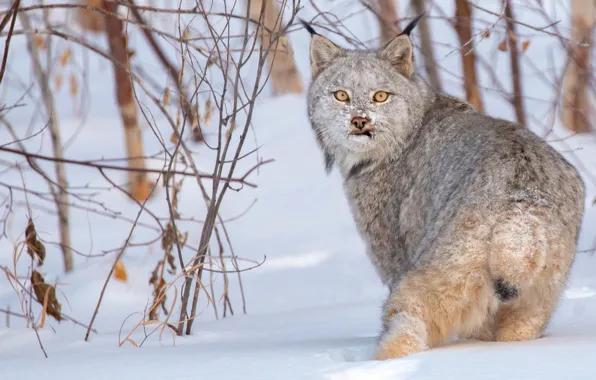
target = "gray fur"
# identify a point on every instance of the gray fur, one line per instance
(431, 157)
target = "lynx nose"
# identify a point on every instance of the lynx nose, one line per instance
(360, 122)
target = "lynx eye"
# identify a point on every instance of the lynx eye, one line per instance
(380, 96)
(341, 95)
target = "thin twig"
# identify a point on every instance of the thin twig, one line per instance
(14, 11)
(118, 257)
(121, 168)
(56, 138)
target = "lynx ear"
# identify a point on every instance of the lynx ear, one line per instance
(322, 51)
(399, 51)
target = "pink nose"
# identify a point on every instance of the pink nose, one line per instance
(360, 122)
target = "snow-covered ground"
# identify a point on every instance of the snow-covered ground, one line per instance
(313, 306)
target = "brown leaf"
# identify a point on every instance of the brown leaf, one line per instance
(211, 61)
(74, 85)
(120, 271)
(35, 248)
(503, 45)
(58, 81)
(525, 45)
(207, 116)
(40, 42)
(174, 138)
(166, 97)
(132, 342)
(45, 294)
(65, 57)
(486, 34)
(159, 297)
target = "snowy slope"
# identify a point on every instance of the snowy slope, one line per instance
(313, 306)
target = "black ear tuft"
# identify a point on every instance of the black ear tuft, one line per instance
(408, 29)
(308, 28)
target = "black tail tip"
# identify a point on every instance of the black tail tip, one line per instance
(505, 291)
(308, 28)
(408, 29)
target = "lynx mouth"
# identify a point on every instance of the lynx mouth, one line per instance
(361, 132)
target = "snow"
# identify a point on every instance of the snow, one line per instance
(314, 304)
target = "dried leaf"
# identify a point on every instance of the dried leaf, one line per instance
(120, 271)
(229, 132)
(58, 81)
(512, 36)
(525, 45)
(486, 34)
(211, 61)
(503, 45)
(74, 85)
(167, 240)
(196, 111)
(174, 138)
(207, 116)
(166, 97)
(40, 42)
(35, 248)
(44, 309)
(65, 57)
(45, 294)
(132, 342)
(159, 297)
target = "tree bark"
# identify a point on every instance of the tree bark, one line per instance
(285, 77)
(426, 46)
(91, 20)
(117, 40)
(463, 27)
(61, 195)
(386, 12)
(576, 107)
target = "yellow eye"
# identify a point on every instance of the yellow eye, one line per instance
(341, 95)
(380, 96)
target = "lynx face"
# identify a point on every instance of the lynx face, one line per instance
(360, 102)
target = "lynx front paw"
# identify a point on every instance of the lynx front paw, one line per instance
(398, 347)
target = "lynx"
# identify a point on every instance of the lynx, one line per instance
(471, 221)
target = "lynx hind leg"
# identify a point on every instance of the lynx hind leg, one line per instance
(429, 306)
(527, 317)
(517, 250)
(530, 255)
(486, 331)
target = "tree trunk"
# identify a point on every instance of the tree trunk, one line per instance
(576, 107)
(139, 185)
(386, 11)
(426, 46)
(517, 98)
(61, 195)
(285, 77)
(91, 20)
(463, 27)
